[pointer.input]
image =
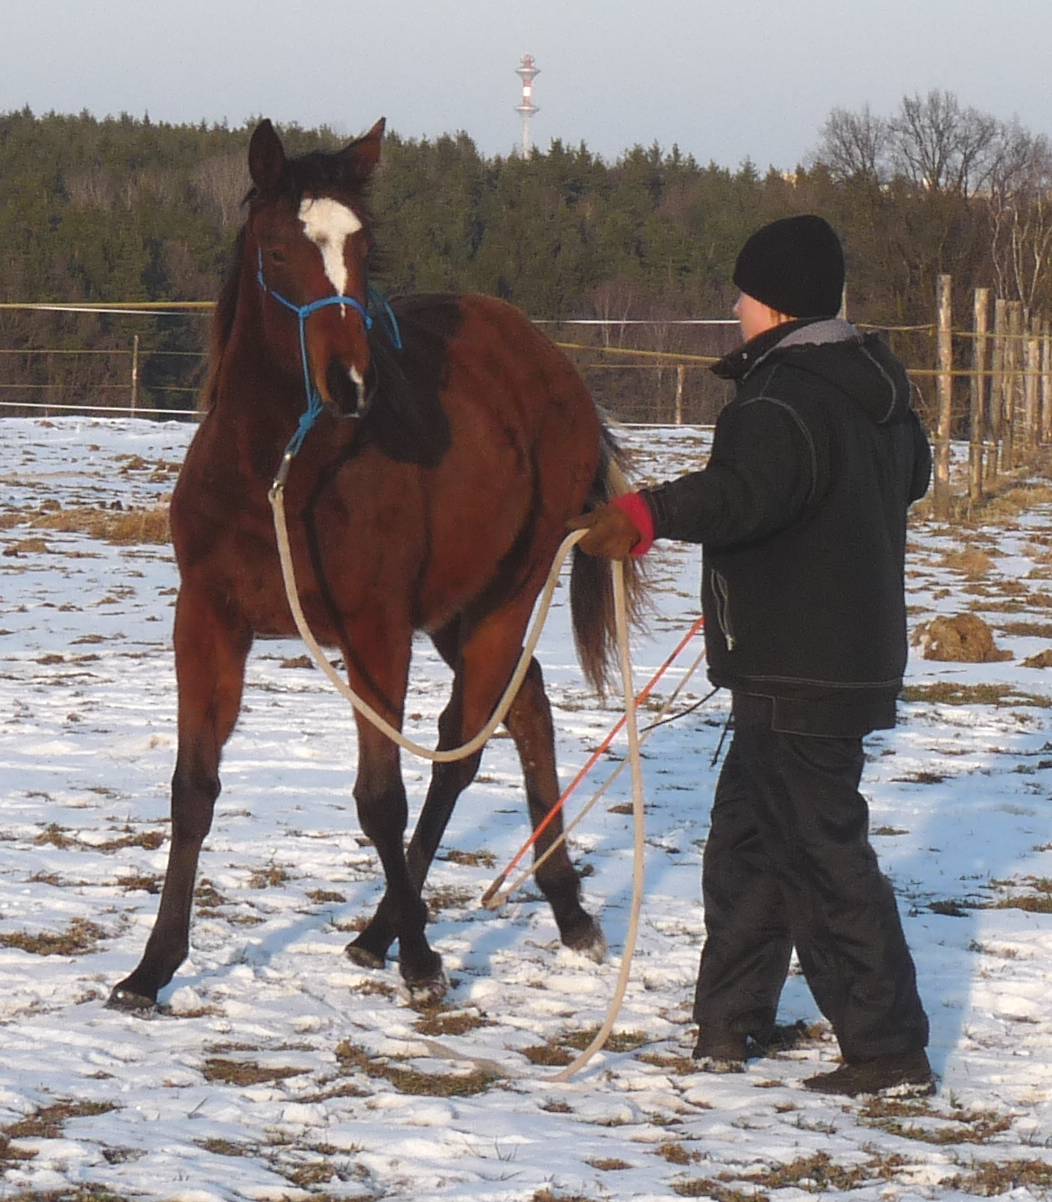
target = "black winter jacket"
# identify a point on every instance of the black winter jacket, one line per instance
(801, 512)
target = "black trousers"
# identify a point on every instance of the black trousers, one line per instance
(788, 863)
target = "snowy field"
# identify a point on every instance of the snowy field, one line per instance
(279, 1070)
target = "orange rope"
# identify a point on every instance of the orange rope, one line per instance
(556, 809)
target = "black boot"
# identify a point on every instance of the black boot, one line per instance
(721, 1052)
(907, 1075)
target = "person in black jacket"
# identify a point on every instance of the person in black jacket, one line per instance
(801, 514)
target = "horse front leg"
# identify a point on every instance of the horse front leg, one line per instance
(370, 948)
(210, 652)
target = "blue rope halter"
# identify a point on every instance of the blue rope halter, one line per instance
(315, 405)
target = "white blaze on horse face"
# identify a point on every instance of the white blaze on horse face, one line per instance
(328, 224)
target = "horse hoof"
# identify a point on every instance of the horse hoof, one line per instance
(590, 942)
(425, 994)
(362, 956)
(129, 1002)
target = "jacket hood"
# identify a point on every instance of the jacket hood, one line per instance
(858, 365)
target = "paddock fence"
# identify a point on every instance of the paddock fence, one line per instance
(988, 383)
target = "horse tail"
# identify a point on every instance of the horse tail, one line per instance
(591, 585)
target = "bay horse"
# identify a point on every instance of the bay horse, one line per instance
(453, 443)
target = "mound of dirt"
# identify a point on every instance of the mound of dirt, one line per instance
(1043, 659)
(965, 639)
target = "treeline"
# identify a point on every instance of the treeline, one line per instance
(127, 209)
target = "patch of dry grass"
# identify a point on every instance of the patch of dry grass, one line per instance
(1027, 630)
(619, 1041)
(551, 1054)
(450, 1022)
(447, 897)
(676, 1153)
(718, 1191)
(950, 693)
(269, 878)
(561, 1049)
(48, 1122)
(54, 835)
(475, 859)
(244, 1072)
(26, 546)
(969, 561)
(79, 938)
(121, 526)
(411, 1081)
(1016, 500)
(676, 1066)
(993, 1178)
(61, 837)
(140, 882)
(1038, 902)
(207, 898)
(547, 1195)
(920, 1120)
(814, 1174)
(227, 1147)
(297, 661)
(322, 896)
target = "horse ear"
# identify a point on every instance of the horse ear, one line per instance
(266, 157)
(363, 153)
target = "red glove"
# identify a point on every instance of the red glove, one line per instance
(623, 527)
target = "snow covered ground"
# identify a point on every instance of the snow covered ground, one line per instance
(281, 1070)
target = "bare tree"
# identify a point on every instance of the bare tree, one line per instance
(1019, 206)
(943, 147)
(613, 302)
(221, 183)
(855, 145)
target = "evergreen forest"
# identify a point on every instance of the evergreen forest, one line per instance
(128, 210)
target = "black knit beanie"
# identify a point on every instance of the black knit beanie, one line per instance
(794, 265)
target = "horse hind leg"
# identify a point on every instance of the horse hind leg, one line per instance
(529, 722)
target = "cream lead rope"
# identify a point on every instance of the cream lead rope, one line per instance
(277, 502)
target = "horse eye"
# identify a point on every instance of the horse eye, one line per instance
(277, 256)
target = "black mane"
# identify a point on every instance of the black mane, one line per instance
(321, 173)
(405, 419)
(222, 322)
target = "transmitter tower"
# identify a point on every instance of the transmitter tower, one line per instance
(526, 70)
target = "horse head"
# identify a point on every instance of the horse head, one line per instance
(308, 237)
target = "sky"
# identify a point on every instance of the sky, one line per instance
(725, 82)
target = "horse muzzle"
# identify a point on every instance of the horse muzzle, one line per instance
(340, 358)
(342, 389)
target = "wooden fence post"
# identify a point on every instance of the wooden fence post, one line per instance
(135, 374)
(1008, 379)
(944, 394)
(681, 373)
(995, 459)
(1019, 392)
(978, 408)
(1031, 390)
(1046, 382)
